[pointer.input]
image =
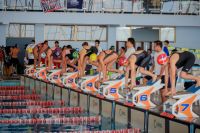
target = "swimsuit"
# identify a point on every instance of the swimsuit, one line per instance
(143, 59)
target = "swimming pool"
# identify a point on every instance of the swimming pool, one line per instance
(107, 123)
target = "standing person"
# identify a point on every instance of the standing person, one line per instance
(121, 52)
(166, 47)
(97, 42)
(56, 44)
(29, 56)
(150, 52)
(158, 69)
(14, 59)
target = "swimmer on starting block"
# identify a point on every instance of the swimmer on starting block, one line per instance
(140, 59)
(38, 50)
(67, 56)
(175, 61)
(108, 58)
(53, 53)
(84, 55)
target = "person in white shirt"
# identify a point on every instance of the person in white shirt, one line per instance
(158, 69)
(97, 42)
(131, 49)
(30, 56)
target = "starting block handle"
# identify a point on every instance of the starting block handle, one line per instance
(150, 82)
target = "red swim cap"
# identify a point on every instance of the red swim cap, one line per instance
(162, 59)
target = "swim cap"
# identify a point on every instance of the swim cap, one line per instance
(162, 59)
(43, 55)
(123, 61)
(93, 57)
(30, 50)
(75, 54)
(111, 48)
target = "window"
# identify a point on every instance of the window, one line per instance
(99, 33)
(84, 33)
(20, 31)
(75, 33)
(123, 33)
(167, 33)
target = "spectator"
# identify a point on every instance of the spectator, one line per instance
(30, 56)
(56, 44)
(158, 69)
(97, 42)
(131, 49)
(14, 58)
(150, 52)
(166, 47)
(121, 52)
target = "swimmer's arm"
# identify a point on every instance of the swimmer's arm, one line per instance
(71, 64)
(57, 61)
(126, 75)
(93, 63)
(99, 70)
(172, 76)
(81, 63)
(63, 61)
(166, 77)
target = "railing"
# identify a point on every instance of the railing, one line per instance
(176, 7)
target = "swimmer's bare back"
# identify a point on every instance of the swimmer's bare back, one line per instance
(14, 52)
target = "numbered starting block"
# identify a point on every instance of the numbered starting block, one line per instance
(30, 71)
(87, 83)
(54, 76)
(110, 89)
(41, 73)
(181, 105)
(141, 94)
(69, 79)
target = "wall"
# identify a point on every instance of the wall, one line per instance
(2, 35)
(187, 37)
(145, 34)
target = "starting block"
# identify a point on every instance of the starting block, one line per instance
(181, 105)
(41, 73)
(141, 94)
(69, 79)
(30, 71)
(110, 89)
(54, 76)
(87, 83)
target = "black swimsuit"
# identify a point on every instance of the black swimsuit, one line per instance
(91, 51)
(143, 59)
(70, 55)
(186, 59)
(106, 55)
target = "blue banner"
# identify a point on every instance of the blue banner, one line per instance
(74, 4)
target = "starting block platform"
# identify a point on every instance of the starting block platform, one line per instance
(87, 83)
(141, 94)
(181, 105)
(110, 89)
(41, 73)
(54, 76)
(69, 79)
(30, 71)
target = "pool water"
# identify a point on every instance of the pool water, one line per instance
(105, 124)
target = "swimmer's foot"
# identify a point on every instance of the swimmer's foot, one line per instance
(131, 87)
(198, 83)
(168, 93)
(173, 93)
(120, 74)
(104, 80)
(154, 78)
